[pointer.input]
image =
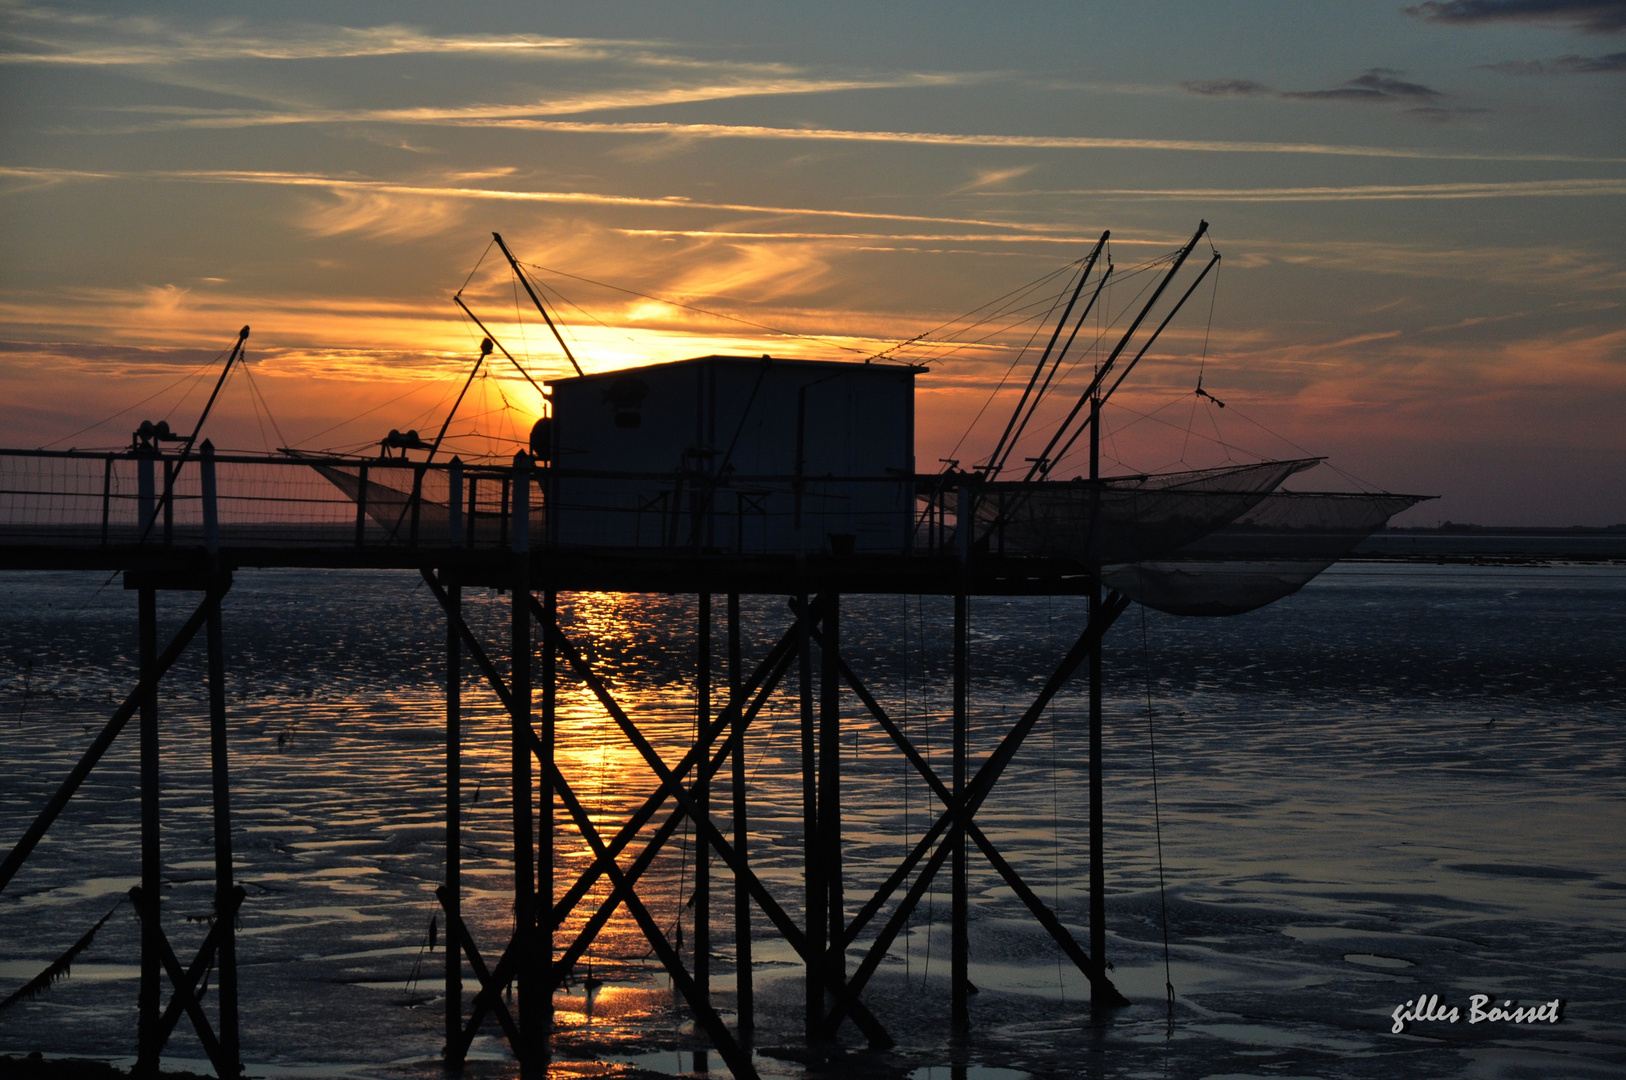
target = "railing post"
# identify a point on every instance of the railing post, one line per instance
(417, 504)
(146, 493)
(361, 507)
(107, 494)
(211, 509)
(170, 469)
(454, 503)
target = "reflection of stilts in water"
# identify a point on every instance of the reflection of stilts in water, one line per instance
(590, 988)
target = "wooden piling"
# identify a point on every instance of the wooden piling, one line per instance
(545, 801)
(702, 797)
(830, 776)
(812, 854)
(744, 991)
(147, 1043)
(453, 891)
(532, 977)
(959, 916)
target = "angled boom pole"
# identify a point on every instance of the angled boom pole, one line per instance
(991, 469)
(1043, 462)
(1068, 445)
(458, 300)
(537, 300)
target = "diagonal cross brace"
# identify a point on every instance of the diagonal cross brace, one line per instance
(121, 716)
(594, 924)
(737, 1060)
(762, 683)
(989, 772)
(1046, 917)
(642, 816)
(490, 995)
(566, 962)
(200, 965)
(793, 935)
(975, 793)
(184, 992)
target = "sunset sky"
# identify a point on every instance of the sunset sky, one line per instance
(1422, 213)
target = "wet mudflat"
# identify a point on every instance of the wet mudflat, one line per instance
(1404, 781)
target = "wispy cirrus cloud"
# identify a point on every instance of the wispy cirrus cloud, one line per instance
(1359, 192)
(1588, 16)
(1570, 64)
(176, 117)
(1227, 88)
(1024, 142)
(42, 35)
(1374, 86)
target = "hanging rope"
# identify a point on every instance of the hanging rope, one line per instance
(1157, 814)
(60, 967)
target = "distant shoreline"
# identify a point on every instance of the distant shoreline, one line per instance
(1490, 544)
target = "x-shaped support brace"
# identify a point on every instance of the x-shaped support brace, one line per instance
(961, 813)
(200, 966)
(833, 980)
(605, 863)
(186, 982)
(489, 999)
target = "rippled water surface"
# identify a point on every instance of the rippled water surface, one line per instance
(1406, 780)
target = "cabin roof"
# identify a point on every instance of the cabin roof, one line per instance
(748, 362)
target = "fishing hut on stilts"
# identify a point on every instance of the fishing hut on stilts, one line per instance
(720, 477)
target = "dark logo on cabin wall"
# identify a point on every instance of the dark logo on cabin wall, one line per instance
(626, 396)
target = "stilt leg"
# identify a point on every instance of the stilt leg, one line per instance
(1098, 879)
(702, 799)
(531, 977)
(959, 938)
(812, 855)
(830, 777)
(147, 1041)
(225, 908)
(746, 1006)
(544, 862)
(453, 893)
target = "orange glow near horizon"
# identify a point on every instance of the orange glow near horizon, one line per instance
(1415, 279)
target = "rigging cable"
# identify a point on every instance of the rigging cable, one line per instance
(191, 374)
(1157, 814)
(1038, 328)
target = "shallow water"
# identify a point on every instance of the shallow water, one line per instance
(1405, 780)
